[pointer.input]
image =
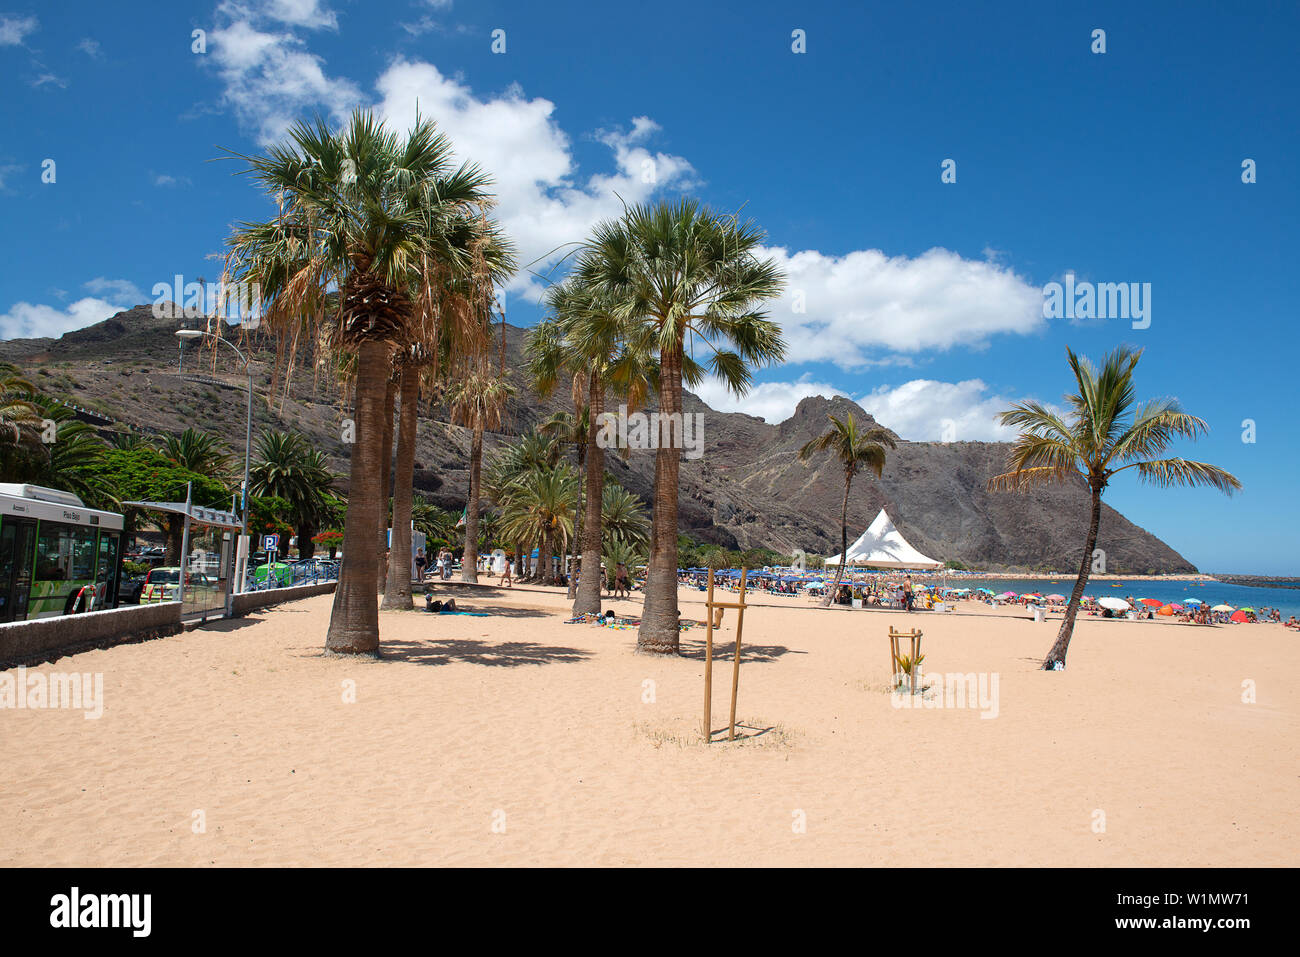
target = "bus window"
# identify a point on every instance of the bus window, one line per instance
(65, 560)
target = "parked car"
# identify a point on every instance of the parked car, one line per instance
(163, 584)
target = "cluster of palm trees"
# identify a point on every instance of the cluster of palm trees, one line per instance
(542, 504)
(381, 262)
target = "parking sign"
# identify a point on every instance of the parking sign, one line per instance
(271, 543)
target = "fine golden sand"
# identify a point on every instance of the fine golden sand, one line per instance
(516, 739)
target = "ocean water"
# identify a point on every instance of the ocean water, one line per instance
(1286, 600)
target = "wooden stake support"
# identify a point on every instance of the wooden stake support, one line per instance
(895, 665)
(710, 604)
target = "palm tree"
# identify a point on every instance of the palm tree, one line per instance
(1107, 433)
(286, 466)
(453, 295)
(197, 451)
(477, 401)
(680, 275)
(19, 418)
(855, 449)
(571, 430)
(353, 217)
(533, 452)
(585, 341)
(539, 506)
(622, 513)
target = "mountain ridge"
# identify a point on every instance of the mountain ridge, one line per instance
(747, 490)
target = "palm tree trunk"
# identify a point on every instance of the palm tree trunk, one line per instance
(306, 547)
(385, 481)
(469, 561)
(397, 584)
(844, 543)
(354, 618)
(587, 598)
(1055, 660)
(577, 537)
(544, 556)
(659, 632)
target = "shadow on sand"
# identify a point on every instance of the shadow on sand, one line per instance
(504, 654)
(724, 649)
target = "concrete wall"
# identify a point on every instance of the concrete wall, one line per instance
(253, 600)
(45, 639)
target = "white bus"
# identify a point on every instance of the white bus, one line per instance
(56, 555)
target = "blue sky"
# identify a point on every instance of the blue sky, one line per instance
(921, 299)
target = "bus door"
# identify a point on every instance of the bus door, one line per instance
(17, 546)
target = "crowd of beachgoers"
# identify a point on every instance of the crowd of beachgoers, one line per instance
(904, 590)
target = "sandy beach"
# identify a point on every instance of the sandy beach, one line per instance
(516, 739)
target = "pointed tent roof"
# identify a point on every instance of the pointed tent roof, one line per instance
(883, 546)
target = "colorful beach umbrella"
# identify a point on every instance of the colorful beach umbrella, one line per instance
(1238, 616)
(1151, 602)
(1166, 610)
(1056, 598)
(1194, 601)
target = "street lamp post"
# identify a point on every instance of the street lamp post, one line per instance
(248, 443)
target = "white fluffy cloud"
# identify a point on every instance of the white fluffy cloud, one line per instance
(13, 30)
(772, 401)
(856, 306)
(269, 77)
(26, 320)
(543, 201)
(928, 410)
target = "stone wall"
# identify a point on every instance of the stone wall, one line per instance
(45, 639)
(253, 600)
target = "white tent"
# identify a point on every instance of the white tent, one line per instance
(883, 546)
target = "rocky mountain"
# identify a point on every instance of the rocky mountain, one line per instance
(748, 489)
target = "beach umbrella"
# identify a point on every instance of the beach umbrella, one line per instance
(1222, 608)
(1238, 616)
(1166, 610)
(1056, 598)
(1151, 602)
(1246, 608)
(1007, 594)
(1175, 606)
(1195, 601)
(1032, 594)
(1114, 604)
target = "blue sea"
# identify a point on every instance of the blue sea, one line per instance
(1286, 600)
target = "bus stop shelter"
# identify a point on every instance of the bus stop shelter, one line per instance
(207, 578)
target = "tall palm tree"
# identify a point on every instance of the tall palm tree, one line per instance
(453, 295)
(855, 449)
(682, 276)
(1108, 432)
(478, 401)
(585, 341)
(353, 217)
